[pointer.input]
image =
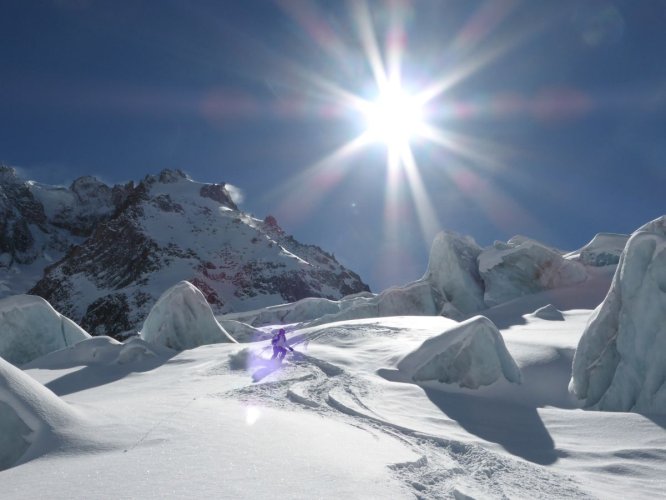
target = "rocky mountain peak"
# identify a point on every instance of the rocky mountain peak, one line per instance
(117, 249)
(88, 187)
(8, 174)
(219, 193)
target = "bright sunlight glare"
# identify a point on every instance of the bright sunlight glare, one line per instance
(394, 117)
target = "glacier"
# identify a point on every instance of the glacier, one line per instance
(618, 365)
(522, 266)
(471, 354)
(182, 319)
(603, 250)
(30, 328)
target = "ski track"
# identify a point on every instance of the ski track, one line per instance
(446, 468)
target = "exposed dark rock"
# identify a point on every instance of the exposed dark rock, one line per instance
(218, 193)
(108, 315)
(141, 239)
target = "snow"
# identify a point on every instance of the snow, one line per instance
(30, 416)
(453, 271)
(461, 280)
(549, 312)
(522, 267)
(100, 351)
(242, 332)
(604, 249)
(30, 327)
(471, 354)
(182, 319)
(412, 299)
(337, 419)
(619, 362)
(398, 406)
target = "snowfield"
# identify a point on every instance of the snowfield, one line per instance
(338, 419)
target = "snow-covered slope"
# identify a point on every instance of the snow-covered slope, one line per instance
(30, 417)
(30, 328)
(170, 228)
(338, 419)
(619, 363)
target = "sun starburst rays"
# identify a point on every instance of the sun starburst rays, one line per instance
(407, 120)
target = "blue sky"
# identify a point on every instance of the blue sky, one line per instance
(557, 114)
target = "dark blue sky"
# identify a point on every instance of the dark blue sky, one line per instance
(565, 129)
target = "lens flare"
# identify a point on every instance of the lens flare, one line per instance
(252, 414)
(395, 117)
(409, 110)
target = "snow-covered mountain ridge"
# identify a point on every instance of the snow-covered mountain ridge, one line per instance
(103, 255)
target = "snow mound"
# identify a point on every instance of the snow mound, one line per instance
(414, 299)
(604, 250)
(471, 354)
(453, 271)
(619, 363)
(549, 312)
(182, 319)
(30, 328)
(522, 267)
(29, 412)
(101, 350)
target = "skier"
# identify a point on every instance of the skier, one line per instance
(280, 345)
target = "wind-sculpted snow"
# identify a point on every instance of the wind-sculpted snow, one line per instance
(471, 354)
(29, 413)
(604, 250)
(657, 226)
(522, 267)
(102, 350)
(453, 272)
(182, 319)
(30, 328)
(619, 364)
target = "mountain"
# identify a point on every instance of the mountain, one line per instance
(40, 223)
(103, 255)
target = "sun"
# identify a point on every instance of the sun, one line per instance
(395, 117)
